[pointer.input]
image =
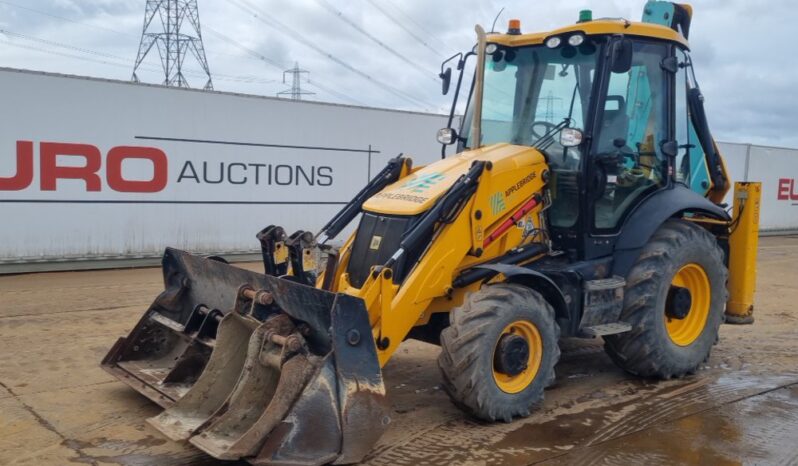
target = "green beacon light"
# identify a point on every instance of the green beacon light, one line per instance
(585, 16)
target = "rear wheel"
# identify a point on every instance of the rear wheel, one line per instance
(675, 298)
(499, 352)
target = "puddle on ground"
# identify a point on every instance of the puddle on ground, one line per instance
(762, 429)
(740, 418)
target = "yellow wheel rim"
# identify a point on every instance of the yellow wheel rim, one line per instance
(684, 332)
(517, 383)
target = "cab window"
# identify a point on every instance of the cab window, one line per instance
(634, 124)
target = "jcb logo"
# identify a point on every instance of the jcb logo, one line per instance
(86, 165)
(787, 189)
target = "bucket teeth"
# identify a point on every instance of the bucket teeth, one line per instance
(242, 395)
(212, 389)
(260, 402)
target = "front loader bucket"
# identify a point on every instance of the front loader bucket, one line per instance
(255, 367)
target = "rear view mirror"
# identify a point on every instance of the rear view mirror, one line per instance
(446, 76)
(621, 55)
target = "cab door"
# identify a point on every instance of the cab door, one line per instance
(633, 125)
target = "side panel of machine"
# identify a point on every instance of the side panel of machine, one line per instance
(105, 169)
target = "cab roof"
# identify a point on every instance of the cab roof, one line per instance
(597, 27)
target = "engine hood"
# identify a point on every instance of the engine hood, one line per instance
(418, 192)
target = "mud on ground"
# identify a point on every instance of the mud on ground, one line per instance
(58, 407)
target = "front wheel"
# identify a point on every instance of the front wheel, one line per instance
(675, 298)
(499, 352)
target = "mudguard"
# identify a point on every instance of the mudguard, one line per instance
(650, 214)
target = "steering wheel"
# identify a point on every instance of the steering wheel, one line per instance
(546, 124)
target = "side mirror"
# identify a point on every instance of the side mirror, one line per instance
(621, 55)
(447, 136)
(570, 137)
(446, 76)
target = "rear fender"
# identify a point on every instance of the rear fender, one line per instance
(650, 214)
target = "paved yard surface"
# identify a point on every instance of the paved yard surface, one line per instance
(58, 407)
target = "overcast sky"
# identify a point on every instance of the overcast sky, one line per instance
(743, 49)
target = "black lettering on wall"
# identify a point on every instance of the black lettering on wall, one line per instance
(205, 173)
(324, 176)
(309, 180)
(257, 167)
(242, 179)
(188, 167)
(287, 177)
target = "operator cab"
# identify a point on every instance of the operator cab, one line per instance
(606, 102)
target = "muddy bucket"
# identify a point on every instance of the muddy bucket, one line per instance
(255, 367)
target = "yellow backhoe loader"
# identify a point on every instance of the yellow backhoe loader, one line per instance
(585, 199)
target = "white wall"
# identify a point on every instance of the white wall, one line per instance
(777, 169)
(203, 217)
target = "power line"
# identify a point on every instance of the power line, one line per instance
(54, 52)
(81, 23)
(59, 44)
(273, 23)
(412, 34)
(280, 66)
(121, 61)
(105, 57)
(335, 93)
(420, 26)
(373, 38)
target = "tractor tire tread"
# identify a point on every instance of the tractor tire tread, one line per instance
(467, 379)
(643, 351)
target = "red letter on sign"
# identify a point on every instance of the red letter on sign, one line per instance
(113, 169)
(784, 189)
(24, 176)
(51, 171)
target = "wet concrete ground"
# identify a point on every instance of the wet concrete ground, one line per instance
(57, 407)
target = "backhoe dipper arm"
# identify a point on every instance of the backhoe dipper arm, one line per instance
(396, 168)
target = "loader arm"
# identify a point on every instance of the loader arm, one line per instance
(465, 225)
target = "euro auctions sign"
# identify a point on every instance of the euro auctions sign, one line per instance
(787, 190)
(79, 168)
(85, 163)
